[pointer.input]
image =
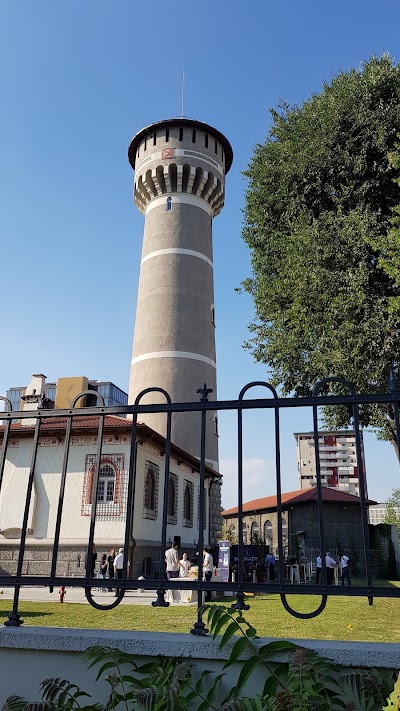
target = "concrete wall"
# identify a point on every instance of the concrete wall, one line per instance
(29, 655)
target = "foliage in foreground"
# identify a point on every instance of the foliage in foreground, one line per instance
(392, 510)
(303, 681)
(320, 204)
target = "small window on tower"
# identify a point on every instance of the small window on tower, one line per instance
(145, 143)
(216, 147)
(194, 136)
(181, 134)
(154, 139)
(167, 135)
(169, 204)
(206, 140)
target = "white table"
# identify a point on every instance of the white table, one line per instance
(298, 572)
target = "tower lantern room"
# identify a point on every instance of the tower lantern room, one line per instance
(179, 186)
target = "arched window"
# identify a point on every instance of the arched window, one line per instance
(147, 566)
(172, 510)
(111, 492)
(168, 206)
(255, 533)
(268, 537)
(216, 425)
(285, 535)
(245, 534)
(188, 504)
(106, 488)
(171, 497)
(150, 492)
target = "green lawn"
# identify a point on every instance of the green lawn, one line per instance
(379, 623)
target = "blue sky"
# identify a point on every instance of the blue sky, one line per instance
(77, 81)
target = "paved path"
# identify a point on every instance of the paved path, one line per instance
(78, 595)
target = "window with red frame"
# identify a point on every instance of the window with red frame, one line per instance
(111, 494)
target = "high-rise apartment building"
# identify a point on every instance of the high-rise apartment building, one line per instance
(338, 460)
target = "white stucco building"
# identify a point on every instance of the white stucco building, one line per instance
(183, 505)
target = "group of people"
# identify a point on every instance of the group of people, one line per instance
(330, 564)
(110, 566)
(180, 568)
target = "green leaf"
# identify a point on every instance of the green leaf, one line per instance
(277, 646)
(238, 648)
(245, 672)
(229, 632)
(250, 632)
(14, 703)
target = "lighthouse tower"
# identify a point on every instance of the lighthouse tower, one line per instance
(179, 186)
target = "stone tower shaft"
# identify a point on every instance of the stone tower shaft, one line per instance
(180, 167)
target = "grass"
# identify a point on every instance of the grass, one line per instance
(344, 618)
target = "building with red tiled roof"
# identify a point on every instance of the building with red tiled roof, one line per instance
(342, 519)
(79, 495)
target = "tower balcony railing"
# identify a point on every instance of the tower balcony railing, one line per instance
(367, 587)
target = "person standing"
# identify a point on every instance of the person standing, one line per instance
(92, 561)
(172, 562)
(110, 561)
(330, 566)
(208, 568)
(103, 569)
(272, 562)
(185, 566)
(118, 565)
(267, 560)
(344, 562)
(318, 567)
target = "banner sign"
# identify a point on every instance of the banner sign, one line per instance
(224, 560)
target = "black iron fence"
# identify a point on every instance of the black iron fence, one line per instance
(239, 586)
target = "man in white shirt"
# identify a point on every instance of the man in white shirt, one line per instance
(172, 562)
(208, 568)
(118, 565)
(344, 562)
(330, 565)
(318, 567)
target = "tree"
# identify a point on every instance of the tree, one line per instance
(388, 246)
(392, 512)
(228, 533)
(319, 204)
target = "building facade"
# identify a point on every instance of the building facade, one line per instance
(300, 529)
(377, 513)
(57, 393)
(179, 186)
(338, 460)
(183, 495)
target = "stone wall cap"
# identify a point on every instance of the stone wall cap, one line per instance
(367, 654)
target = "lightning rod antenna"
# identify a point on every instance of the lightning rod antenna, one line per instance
(183, 87)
